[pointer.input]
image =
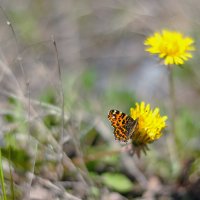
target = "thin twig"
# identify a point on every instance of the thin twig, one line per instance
(132, 168)
(62, 117)
(20, 63)
(61, 91)
(16, 40)
(24, 99)
(21, 67)
(60, 189)
(27, 195)
(62, 99)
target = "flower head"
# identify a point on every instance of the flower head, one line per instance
(149, 127)
(171, 46)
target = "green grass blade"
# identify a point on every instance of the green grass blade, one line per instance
(11, 178)
(2, 178)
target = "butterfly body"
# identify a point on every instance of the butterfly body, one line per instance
(124, 125)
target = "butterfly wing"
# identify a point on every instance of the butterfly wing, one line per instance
(123, 124)
(121, 134)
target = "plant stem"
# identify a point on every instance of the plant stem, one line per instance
(172, 137)
(12, 191)
(172, 101)
(2, 179)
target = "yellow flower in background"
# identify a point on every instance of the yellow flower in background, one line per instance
(171, 46)
(149, 127)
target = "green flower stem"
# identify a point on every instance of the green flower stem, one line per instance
(172, 137)
(11, 177)
(2, 179)
(173, 101)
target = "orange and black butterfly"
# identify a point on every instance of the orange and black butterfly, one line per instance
(124, 125)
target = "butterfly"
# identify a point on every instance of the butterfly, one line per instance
(124, 125)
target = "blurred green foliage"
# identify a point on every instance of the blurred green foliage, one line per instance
(188, 129)
(117, 181)
(18, 157)
(48, 96)
(28, 29)
(88, 79)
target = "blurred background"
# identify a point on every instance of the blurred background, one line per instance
(63, 66)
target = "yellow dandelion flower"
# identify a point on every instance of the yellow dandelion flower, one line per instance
(149, 126)
(171, 46)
